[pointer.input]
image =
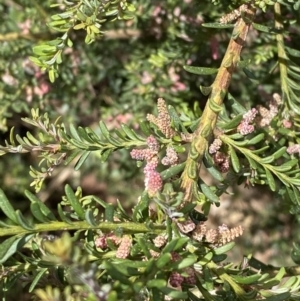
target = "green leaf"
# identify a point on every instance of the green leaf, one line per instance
(104, 130)
(206, 259)
(224, 249)
(105, 155)
(109, 213)
(36, 61)
(37, 213)
(292, 52)
(214, 106)
(23, 222)
(184, 263)
(74, 132)
(209, 193)
(51, 74)
(144, 126)
(279, 153)
(42, 207)
(175, 244)
(200, 70)
(62, 215)
(36, 279)
(205, 90)
(89, 217)
(258, 138)
(261, 150)
(82, 159)
(141, 210)
(267, 160)
(192, 170)
(130, 133)
(294, 74)
(294, 86)
(270, 179)
(44, 49)
(235, 105)
(286, 166)
(72, 155)
(74, 202)
(163, 260)
(158, 283)
(246, 279)
(209, 164)
(280, 297)
(280, 274)
(179, 126)
(7, 208)
(84, 135)
(232, 123)
(234, 160)
(12, 245)
(262, 28)
(116, 274)
(172, 171)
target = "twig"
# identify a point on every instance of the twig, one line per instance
(218, 91)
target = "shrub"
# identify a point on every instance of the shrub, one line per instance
(155, 243)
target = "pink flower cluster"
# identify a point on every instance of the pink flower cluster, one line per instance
(215, 146)
(267, 115)
(171, 157)
(153, 180)
(222, 161)
(124, 244)
(294, 149)
(176, 279)
(245, 127)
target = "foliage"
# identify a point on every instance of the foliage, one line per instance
(160, 248)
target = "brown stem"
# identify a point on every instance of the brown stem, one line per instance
(218, 91)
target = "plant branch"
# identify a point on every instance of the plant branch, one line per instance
(128, 228)
(282, 57)
(210, 114)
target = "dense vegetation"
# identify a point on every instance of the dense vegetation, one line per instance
(124, 127)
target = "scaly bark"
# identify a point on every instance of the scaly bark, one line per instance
(210, 114)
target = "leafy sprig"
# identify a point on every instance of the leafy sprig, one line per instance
(78, 15)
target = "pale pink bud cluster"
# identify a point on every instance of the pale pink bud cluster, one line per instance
(171, 157)
(101, 242)
(163, 120)
(153, 143)
(293, 149)
(176, 279)
(142, 154)
(124, 247)
(221, 161)
(250, 115)
(267, 115)
(159, 241)
(215, 146)
(287, 123)
(153, 180)
(245, 127)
